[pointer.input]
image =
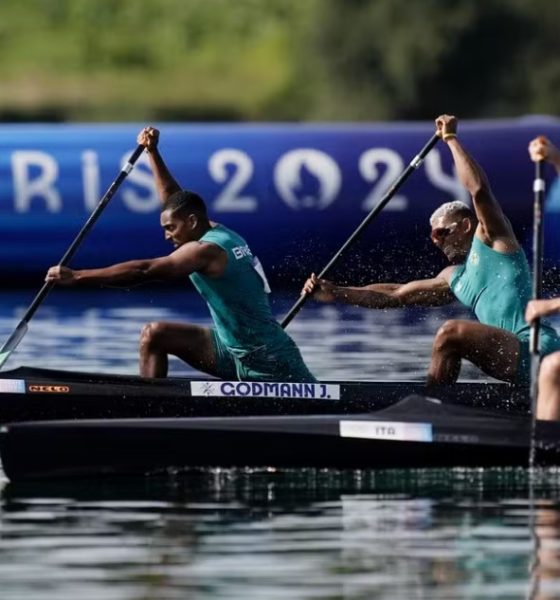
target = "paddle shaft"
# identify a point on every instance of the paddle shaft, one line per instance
(21, 328)
(414, 164)
(538, 243)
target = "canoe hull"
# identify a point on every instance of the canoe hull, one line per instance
(398, 437)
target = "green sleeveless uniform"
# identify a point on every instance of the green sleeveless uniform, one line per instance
(497, 287)
(250, 344)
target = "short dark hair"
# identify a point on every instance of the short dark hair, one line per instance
(185, 201)
(456, 207)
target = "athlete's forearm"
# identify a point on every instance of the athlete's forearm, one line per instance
(372, 296)
(165, 182)
(470, 173)
(384, 288)
(130, 272)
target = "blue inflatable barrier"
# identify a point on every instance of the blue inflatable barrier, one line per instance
(296, 192)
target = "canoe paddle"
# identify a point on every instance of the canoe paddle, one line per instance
(21, 329)
(414, 164)
(538, 238)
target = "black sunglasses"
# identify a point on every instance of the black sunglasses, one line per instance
(440, 233)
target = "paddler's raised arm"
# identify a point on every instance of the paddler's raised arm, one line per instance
(493, 224)
(165, 182)
(426, 292)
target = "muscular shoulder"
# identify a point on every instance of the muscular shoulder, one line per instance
(500, 239)
(211, 258)
(209, 249)
(446, 274)
(198, 249)
(197, 256)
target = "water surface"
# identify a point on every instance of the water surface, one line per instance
(99, 331)
(269, 533)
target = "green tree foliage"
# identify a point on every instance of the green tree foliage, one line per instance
(138, 59)
(409, 59)
(277, 59)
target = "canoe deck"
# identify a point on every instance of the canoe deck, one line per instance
(28, 394)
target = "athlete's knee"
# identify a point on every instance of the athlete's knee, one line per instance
(151, 335)
(450, 336)
(548, 405)
(550, 368)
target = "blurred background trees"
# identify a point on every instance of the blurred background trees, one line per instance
(342, 60)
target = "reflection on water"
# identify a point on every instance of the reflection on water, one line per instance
(269, 534)
(285, 534)
(99, 331)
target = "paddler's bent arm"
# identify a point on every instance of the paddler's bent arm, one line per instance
(131, 272)
(426, 292)
(185, 260)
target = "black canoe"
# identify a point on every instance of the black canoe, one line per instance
(28, 394)
(416, 432)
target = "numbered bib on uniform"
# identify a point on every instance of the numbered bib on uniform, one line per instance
(259, 269)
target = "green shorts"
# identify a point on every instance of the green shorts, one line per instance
(548, 343)
(264, 364)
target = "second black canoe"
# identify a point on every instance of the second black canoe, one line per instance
(416, 432)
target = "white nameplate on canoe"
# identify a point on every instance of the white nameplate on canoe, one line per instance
(12, 386)
(387, 430)
(265, 389)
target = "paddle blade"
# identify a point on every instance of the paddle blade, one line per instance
(13, 342)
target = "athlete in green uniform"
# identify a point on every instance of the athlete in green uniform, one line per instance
(548, 401)
(489, 273)
(247, 343)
